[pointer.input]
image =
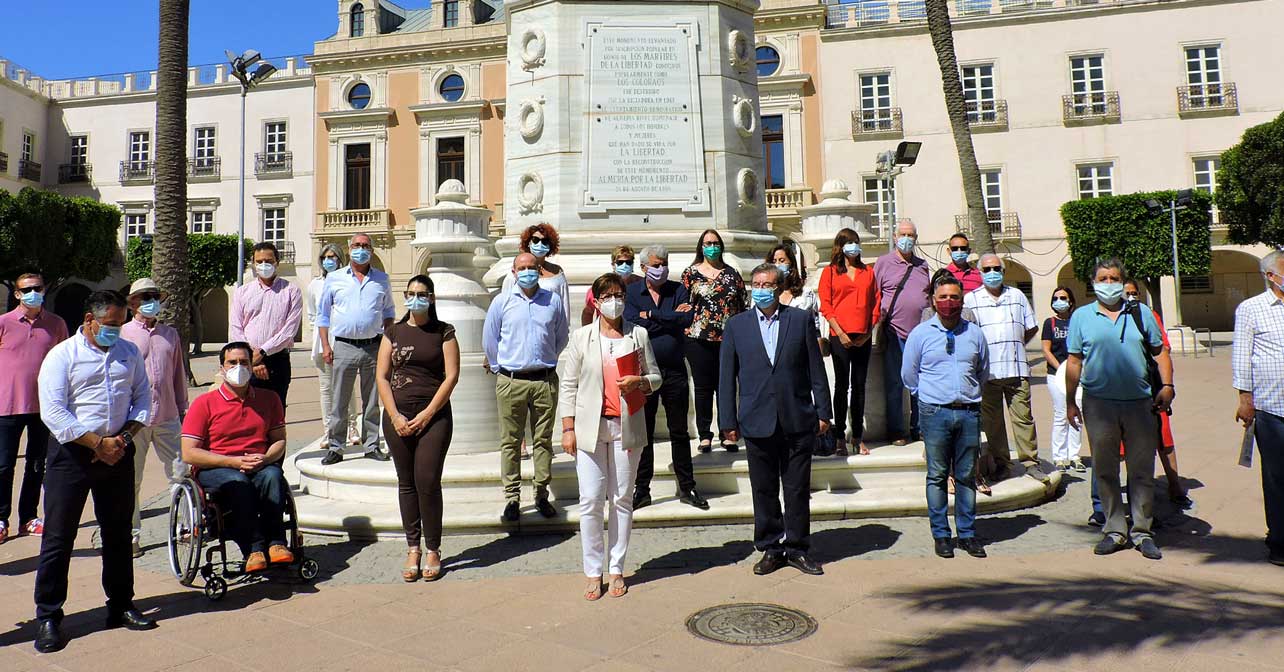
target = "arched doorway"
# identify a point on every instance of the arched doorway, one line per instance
(1210, 301)
(1066, 277)
(69, 304)
(1017, 275)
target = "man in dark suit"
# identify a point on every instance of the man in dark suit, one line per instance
(773, 391)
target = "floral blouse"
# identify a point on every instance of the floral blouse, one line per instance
(713, 302)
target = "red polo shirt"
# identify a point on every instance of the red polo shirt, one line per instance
(225, 424)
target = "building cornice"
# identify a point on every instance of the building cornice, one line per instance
(790, 84)
(472, 42)
(442, 109)
(203, 91)
(789, 15)
(27, 91)
(378, 115)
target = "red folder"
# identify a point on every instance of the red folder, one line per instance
(631, 365)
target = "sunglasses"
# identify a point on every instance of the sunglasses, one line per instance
(623, 261)
(149, 296)
(33, 288)
(988, 269)
(960, 248)
(418, 295)
(538, 239)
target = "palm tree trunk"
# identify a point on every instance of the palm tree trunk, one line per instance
(938, 25)
(169, 243)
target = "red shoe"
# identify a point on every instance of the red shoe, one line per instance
(280, 555)
(34, 527)
(255, 562)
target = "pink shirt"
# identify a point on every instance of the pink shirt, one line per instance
(23, 346)
(266, 317)
(162, 354)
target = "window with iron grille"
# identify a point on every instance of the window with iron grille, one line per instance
(881, 193)
(992, 189)
(1088, 84)
(273, 224)
(1204, 75)
(204, 147)
(203, 221)
(1096, 179)
(274, 140)
(140, 149)
(876, 99)
(1196, 284)
(79, 150)
(978, 92)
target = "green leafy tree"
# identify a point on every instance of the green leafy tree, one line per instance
(1123, 227)
(1250, 186)
(211, 262)
(59, 236)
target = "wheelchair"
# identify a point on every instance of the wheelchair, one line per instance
(196, 520)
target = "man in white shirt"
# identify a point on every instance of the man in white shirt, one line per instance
(1005, 316)
(94, 396)
(356, 307)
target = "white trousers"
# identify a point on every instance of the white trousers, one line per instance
(1066, 440)
(354, 413)
(165, 439)
(607, 471)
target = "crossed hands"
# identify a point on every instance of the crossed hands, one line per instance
(110, 450)
(412, 426)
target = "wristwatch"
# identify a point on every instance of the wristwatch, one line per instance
(567, 430)
(127, 438)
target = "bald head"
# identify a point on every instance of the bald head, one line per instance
(991, 259)
(524, 261)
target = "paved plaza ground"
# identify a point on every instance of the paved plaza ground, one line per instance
(1042, 601)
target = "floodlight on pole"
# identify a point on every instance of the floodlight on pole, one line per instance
(1180, 200)
(891, 163)
(241, 71)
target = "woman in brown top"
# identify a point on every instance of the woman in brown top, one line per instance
(418, 369)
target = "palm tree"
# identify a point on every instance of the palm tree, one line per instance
(938, 25)
(169, 244)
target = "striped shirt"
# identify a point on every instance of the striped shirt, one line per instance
(266, 316)
(1257, 353)
(1004, 319)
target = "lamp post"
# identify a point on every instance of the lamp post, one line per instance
(890, 164)
(241, 71)
(1179, 201)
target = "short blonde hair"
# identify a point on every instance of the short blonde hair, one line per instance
(623, 250)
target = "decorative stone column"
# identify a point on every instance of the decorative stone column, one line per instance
(451, 247)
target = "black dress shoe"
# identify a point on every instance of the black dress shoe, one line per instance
(693, 498)
(130, 619)
(1110, 543)
(49, 637)
(945, 547)
(1097, 519)
(545, 508)
(804, 564)
(770, 562)
(1275, 557)
(730, 446)
(332, 457)
(641, 500)
(1149, 550)
(972, 546)
(378, 455)
(512, 511)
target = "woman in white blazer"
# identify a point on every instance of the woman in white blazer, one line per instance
(602, 431)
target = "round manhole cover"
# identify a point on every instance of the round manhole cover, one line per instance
(751, 624)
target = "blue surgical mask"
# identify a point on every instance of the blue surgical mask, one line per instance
(527, 278)
(418, 304)
(992, 279)
(361, 255)
(712, 252)
(959, 257)
(33, 299)
(150, 308)
(1061, 306)
(107, 336)
(851, 250)
(624, 269)
(540, 250)
(1108, 293)
(330, 264)
(764, 298)
(784, 268)
(905, 244)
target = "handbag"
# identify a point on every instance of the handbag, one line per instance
(879, 335)
(1152, 366)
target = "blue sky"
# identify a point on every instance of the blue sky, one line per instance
(74, 38)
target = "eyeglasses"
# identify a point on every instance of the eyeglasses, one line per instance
(764, 285)
(33, 288)
(612, 295)
(710, 242)
(149, 296)
(418, 295)
(989, 269)
(960, 248)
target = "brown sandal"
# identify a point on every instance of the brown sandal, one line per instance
(983, 485)
(618, 587)
(594, 592)
(433, 572)
(410, 573)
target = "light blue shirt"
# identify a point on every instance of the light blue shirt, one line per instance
(1114, 362)
(937, 377)
(356, 309)
(769, 328)
(525, 334)
(84, 389)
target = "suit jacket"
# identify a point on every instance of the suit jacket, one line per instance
(754, 397)
(581, 387)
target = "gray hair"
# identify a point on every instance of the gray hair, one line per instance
(906, 222)
(327, 249)
(654, 250)
(102, 301)
(769, 268)
(1271, 262)
(1110, 262)
(355, 236)
(989, 255)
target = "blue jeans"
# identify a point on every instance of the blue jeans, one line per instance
(893, 388)
(253, 505)
(952, 437)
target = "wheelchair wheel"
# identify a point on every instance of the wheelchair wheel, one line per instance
(186, 525)
(215, 588)
(309, 569)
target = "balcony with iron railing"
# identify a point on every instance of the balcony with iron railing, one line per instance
(354, 221)
(137, 172)
(1003, 225)
(28, 170)
(883, 122)
(881, 226)
(1087, 108)
(4, 163)
(204, 168)
(874, 13)
(1207, 99)
(275, 164)
(72, 173)
(285, 250)
(987, 115)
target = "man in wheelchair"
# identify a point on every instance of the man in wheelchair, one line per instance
(234, 439)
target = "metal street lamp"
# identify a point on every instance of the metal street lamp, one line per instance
(891, 163)
(1179, 201)
(241, 71)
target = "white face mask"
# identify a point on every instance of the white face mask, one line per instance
(237, 376)
(265, 270)
(611, 308)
